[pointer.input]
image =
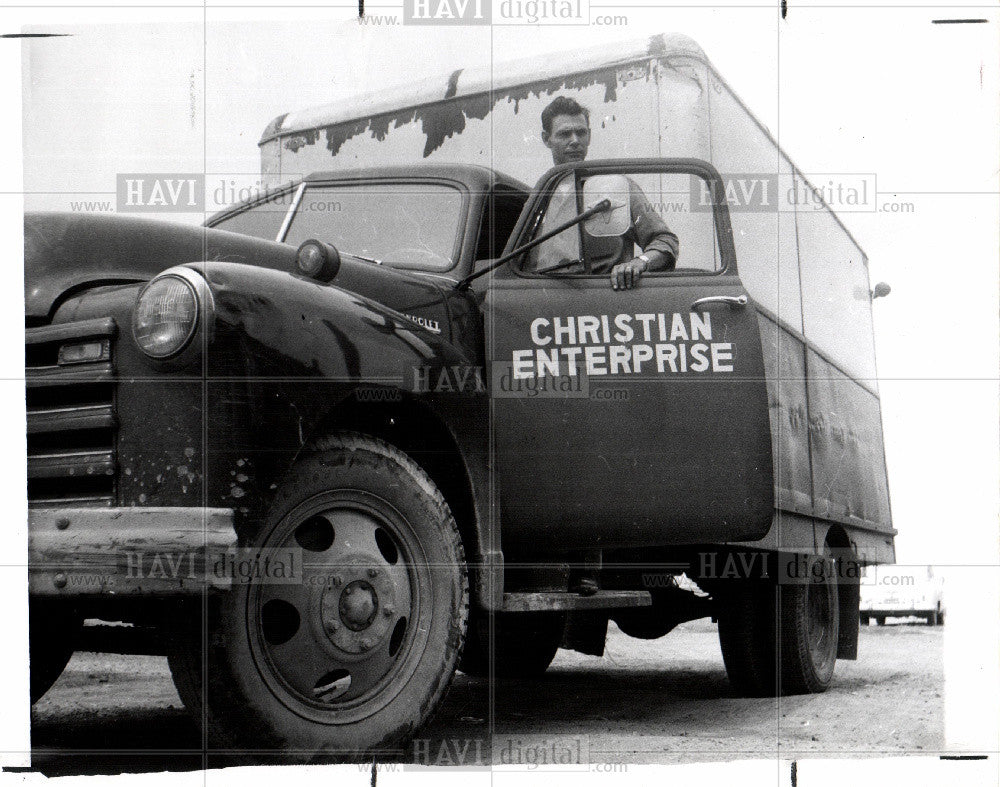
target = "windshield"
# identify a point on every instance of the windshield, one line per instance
(405, 225)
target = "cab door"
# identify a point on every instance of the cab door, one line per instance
(635, 417)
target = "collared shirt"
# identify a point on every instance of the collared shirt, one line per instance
(647, 230)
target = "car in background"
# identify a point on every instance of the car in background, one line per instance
(900, 592)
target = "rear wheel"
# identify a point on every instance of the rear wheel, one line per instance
(358, 654)
(747, 636)
(780, 638)
(810, 616)
(524, 644)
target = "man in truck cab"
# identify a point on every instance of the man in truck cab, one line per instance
(566, 132)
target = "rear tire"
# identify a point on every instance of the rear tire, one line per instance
(524, 644)
(810, 618)
(747, 637)
(780, 638)
(358, 655)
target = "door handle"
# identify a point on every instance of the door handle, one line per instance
(732, 301)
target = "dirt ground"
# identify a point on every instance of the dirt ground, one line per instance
(658, 701)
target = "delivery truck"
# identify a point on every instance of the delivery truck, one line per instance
(355, 433)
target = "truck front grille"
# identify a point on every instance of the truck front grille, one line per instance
(69, 376)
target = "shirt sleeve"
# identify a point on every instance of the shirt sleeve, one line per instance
(650, 232)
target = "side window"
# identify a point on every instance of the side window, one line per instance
(683, 203)
(669, 213)
(501, 211)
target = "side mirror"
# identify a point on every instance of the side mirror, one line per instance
(881, 290)
(617, 220)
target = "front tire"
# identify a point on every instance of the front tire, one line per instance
(357, 656)
(52, 635)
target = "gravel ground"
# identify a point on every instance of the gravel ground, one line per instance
(665, 700)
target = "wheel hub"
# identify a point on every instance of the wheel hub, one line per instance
(357, 606)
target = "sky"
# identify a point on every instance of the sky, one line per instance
(845, 90)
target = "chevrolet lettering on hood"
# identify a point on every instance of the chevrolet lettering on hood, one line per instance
(431, 325)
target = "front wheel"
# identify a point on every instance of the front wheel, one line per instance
(52, 634)
(357, 653)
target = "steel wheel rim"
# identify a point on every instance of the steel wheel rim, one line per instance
(303, 665)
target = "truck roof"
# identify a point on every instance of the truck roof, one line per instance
(481, 88)
(516, 80)
(476, 177)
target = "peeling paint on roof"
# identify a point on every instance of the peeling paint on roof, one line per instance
(468, 94)
(445, 119)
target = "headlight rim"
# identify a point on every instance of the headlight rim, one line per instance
(204, 320)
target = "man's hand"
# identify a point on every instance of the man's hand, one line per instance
(625, 275)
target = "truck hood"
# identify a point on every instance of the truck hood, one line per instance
(67, 251)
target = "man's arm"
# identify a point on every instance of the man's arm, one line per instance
(660, 247)
(651, 233)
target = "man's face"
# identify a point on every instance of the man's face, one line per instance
(569, 138)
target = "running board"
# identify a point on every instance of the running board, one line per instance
(560, 601)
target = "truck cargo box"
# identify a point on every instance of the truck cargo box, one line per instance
(661, 97)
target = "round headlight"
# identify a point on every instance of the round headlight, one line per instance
(165, 316)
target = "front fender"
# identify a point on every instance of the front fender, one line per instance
(288, 350)
(302, 328)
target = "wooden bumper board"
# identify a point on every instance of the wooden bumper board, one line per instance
(128, 551)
